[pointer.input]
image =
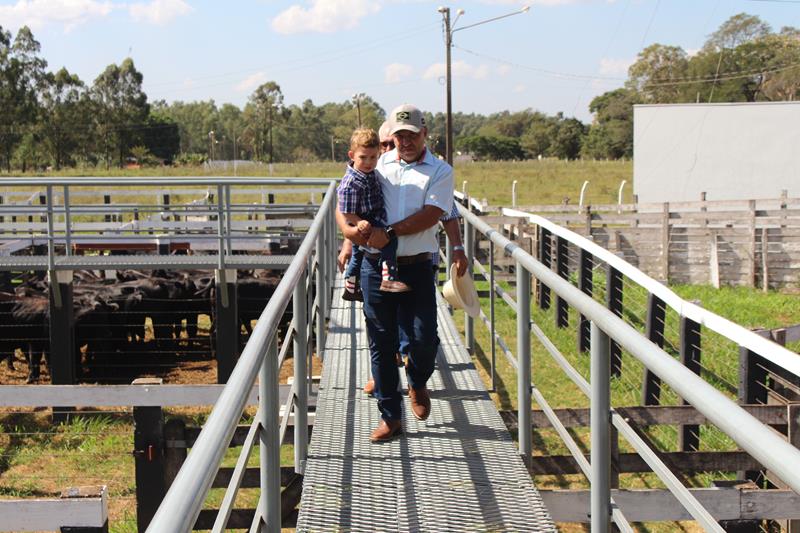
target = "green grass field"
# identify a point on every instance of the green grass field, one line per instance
(540, 182)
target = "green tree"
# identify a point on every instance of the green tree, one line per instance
(493, 148)
(62, 124)
(267, 103)
(611, 133)
(162, 138)
(21, 74)
(737, 30)
(120, 109)
(654, 73)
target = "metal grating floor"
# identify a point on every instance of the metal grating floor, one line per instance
(457, 471)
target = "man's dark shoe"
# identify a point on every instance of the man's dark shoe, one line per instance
(386, 431)
(420, 402)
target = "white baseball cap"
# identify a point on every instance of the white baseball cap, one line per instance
(406, 117)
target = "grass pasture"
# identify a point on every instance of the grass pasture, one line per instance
(540, 182)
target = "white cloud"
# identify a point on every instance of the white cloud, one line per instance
(40, 13)
(396, 72)
(460, 69)
(691, 52)
(503, 70)
(519, 88)
(610, 66)
(159, 11)
(324, 16)
(251, 82)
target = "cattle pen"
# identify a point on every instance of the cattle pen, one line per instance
(555, 276)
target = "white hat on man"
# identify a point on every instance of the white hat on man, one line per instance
(459, 291)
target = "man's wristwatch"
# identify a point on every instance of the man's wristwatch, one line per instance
(390, 234)
(458, 247)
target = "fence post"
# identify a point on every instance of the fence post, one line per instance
(174, 449)
(226, 323)
(752, 390)
(300, 317)
(600, 416)
(656, 314)
(689, 434)
(148, 453)
(665, 242)
(614, 304)
(562, 268)
(524, 360)
(545, 246)
(270, 445)
(752, 242)
(64, 363)
(469, 247)
(585, 284)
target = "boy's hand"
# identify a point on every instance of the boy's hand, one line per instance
(364, 228)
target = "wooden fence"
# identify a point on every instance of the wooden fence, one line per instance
(751, 242)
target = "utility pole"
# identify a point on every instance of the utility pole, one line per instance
(357, 98)
(448, 141)
(448, 40)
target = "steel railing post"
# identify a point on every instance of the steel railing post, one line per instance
(524, 359)
(491, 315)
(270, 446)
(51, 245)
(320, 318)
(469, 245)
(221, 227)
(600, 430)
(228, 216)
(309, 314)
(300, 317)
(67, 225)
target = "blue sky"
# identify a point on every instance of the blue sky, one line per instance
(556, 57)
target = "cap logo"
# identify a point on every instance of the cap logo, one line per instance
(402, 115)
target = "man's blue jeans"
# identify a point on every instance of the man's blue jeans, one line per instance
(388, 314)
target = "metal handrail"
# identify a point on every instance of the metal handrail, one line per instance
(742, 336)
(751, 435)
(181, 506)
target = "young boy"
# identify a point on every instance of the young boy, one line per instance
(361, 203)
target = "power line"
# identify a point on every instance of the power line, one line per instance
(655, 83)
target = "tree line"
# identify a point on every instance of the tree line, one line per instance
(56, 120)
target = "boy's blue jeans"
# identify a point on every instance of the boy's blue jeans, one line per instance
(388, 255)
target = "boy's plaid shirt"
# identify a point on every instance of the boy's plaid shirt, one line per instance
(360, 194)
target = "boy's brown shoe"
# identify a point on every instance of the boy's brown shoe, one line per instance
(386, 430)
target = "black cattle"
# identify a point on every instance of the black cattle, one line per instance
(31, 317)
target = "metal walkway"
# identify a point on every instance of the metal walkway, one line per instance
(457, 471)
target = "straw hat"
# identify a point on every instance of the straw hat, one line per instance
(461, 294)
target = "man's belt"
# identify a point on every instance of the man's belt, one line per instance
(403, 259)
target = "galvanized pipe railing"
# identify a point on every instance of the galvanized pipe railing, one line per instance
(181, 506)
(756, 438)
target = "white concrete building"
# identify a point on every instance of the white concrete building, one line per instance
(732, 151)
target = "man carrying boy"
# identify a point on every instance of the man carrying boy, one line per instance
(361, 204)
(417, 190)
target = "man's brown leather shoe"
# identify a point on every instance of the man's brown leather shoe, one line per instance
(420, 402)
(369, 387)
(386, 430)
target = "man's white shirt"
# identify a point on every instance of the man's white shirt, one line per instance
(407, 188)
